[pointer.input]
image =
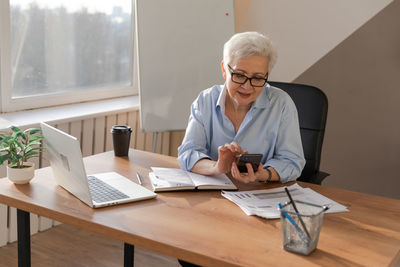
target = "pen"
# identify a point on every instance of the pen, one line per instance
(138, 177)
(297, 211)
(299, 231)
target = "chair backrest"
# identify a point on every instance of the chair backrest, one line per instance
(312, 107)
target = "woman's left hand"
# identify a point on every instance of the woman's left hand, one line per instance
(248, 177)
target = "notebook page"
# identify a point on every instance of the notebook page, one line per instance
(217, 180)
(172, 175)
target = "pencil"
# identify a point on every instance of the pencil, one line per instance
(297, 211)
(300, 232)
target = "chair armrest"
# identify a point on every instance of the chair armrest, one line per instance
(319, 177)
(316, 178)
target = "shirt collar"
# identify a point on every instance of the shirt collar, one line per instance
(263, 100)
(221, 98)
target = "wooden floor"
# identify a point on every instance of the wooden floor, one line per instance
(66, 245)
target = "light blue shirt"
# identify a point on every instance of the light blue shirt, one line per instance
(270, 127)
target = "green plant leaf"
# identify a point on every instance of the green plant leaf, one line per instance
(15, 129)
(34, 142)
(18, 133)
(5, 139)
(19, 136)
(39, 136)
(11, 148)
(32, 131)
(19, 144)
(15, 160)
(31, 154)
(4, 158)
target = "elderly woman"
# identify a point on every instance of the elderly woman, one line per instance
(245, 115)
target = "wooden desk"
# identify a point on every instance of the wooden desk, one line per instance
(207, 229)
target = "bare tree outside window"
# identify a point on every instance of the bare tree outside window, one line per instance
(61, 47)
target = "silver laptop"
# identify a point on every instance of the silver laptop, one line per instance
(98, 190)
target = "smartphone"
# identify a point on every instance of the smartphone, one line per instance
(254, 159)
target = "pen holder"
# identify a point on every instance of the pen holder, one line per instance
(294, 237)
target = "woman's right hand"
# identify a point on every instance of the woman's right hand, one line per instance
(226, 156)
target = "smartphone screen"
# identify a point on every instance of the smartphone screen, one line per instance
(254, 159)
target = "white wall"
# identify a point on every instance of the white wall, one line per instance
(304, 30)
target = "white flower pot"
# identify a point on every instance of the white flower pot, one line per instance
(21, 175)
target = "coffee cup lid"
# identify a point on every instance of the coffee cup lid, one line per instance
(121, 129)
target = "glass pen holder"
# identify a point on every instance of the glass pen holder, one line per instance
(300, 230)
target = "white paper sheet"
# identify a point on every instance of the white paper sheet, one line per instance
(264, 203)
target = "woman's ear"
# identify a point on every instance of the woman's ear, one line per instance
(223, 70)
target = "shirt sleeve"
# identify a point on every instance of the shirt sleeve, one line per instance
(288, 159)
(194, 145)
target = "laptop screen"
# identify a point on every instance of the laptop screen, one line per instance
(66, 162)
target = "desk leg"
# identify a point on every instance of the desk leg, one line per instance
(129, 251)
(24, 238)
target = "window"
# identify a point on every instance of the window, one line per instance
(62, 51)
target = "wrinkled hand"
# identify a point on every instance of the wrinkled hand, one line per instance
(227, 156)
(250, 176)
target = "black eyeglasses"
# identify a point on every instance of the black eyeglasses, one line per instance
(242, 79)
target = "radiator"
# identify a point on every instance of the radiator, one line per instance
(95, 137)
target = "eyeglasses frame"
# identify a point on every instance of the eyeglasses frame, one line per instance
(231, 71)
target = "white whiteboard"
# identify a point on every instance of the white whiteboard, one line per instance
(179, 52)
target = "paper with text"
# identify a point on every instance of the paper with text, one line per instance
(264, 203)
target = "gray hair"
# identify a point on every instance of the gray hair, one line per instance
(247, 44)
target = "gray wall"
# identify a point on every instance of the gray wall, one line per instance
(359, 74)
(361, 78)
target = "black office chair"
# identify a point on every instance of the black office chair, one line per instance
(312, 107)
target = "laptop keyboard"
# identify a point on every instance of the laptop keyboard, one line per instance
(102, 192)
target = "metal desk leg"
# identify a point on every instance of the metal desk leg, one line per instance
(24, 238)
(129, 251)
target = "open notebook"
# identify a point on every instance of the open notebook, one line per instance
(170, 179)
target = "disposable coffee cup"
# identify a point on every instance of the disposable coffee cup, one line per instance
(300, 230)
(121, 138)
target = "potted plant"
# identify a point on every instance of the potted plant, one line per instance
(16, 148)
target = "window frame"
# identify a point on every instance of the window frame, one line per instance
(8, 104)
